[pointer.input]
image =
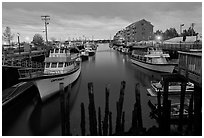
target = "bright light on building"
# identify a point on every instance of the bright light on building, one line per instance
(158, 37)
(27, 39)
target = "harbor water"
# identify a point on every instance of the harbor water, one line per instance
(106, 67)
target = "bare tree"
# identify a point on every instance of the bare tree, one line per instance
(7, 35)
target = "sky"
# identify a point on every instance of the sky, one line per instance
(95, 20)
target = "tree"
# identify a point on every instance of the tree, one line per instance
(7, 35)
(189, 32)
(170, 33)
(38, 40)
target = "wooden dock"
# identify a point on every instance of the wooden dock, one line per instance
(190, 66)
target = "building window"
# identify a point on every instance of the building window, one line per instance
(47, 65)
(142, 24)
(61, 50)
(60, 65)
(54, 65)
(56, 50)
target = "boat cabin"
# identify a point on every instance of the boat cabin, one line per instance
(150, 54)
(59, 61)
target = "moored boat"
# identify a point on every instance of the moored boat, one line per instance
(152, 58)
(84, 54)
(174, 113)
(174, 88)
(60, 67)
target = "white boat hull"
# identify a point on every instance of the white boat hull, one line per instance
(155, 67)
(50, 86)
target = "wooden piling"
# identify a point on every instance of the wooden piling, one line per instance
(120, 107)
(159, 107)
(138, 104)
(110, 123)
(123, 122)
(83, 123)
(165, 105)
(197, 110)
(190, 113)
(182, 98)
(105, 124)
(92, 111)
(99, 122)
(62, 107)
(67, 122)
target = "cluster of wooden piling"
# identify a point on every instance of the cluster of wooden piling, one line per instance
(105, 126)
(164, 113)
(102, 126)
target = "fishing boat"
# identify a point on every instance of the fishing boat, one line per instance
(90, 48)
(152, 58)
(84, 54)
(174, 88)
(62, 66)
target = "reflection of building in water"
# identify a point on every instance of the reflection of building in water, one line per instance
(145, 76)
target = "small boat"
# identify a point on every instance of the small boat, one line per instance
(60, 67)
(84, 54)
(175, 107)
(152, 58)
(90, 48)
(174, 88)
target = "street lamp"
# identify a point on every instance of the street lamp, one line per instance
(18, 42)
(181, 28)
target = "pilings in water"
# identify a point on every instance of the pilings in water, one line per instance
(110, 123)
(64, 107)
(83, 123)
(105, 122)
(119, 106)
(137, 124)
(92, 111)
(99, 122)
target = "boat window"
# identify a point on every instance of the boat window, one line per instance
(54, 65)
(47, 65)
(52, 50)
(60, 65)
(56, 50)
(61, 50)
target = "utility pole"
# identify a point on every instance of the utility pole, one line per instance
(18, 42)
(46, 18)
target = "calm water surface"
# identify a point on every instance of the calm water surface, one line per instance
(107, 67)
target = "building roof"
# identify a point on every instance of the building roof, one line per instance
(180, 39)
(143, 20)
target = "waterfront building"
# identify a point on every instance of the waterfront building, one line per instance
(138, 31)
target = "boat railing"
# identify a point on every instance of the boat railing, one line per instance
(24, 64)
(29, 73)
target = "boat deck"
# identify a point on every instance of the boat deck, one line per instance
(15, 91)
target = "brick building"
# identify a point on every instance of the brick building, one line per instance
(138, 31)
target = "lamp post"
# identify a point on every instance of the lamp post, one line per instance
(18, 42)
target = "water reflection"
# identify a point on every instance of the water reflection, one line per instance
(46, 117)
